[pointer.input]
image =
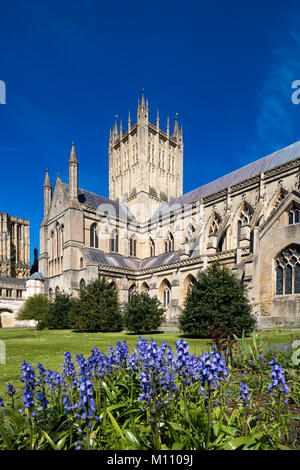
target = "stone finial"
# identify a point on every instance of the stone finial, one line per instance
(47, 183)
(73, 157)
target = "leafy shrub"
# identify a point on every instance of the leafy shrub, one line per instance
(216, 296)
(58, 315)
(143, 314)
(98, 308)
(36, 308)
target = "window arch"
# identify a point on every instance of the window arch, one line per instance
(132, 246)
(114, 241)
(169, 243)
(50, 293)
(294, 215)
(287, 266)
(152, 247)
(81, 263)
(131, 291)
(81, 284)
(94, 238)
(57, 290)
(244, 219)
(214, 226)
(145, 287)
(167, 296)
(165, 291)
(222, 243)
(188, 284)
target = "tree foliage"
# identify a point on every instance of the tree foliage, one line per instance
(216, 296)
(98, 308)
(58, 316)
(143, 314)
(36, 308)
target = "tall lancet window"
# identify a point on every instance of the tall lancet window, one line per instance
(132, 246)
(169, 243)
(94, 238)
(244, 219)
(152, 247)
(114, 241)
(287, 266)
(214, 226)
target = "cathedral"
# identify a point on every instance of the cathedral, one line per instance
(149, 236)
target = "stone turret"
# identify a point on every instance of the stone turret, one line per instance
(73, 175)
(47, 193)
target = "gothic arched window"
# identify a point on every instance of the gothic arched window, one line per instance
(223, 242)
(167, 296)
(169, 243)
(294, 216)
(287, 265)
(81, 284)
(131, 292)
(132, 246)
(214, 226)
(114, 242)
(152, 247)
(244, 219)
(94, 239)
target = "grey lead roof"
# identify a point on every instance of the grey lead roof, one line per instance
(37, 276)
(120, 261)
(102, 204)
(273, 160)
(252, 169)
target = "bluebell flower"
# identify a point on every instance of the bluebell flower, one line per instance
(10, 390)
(278, 380)
(244, 396)
(28, 378)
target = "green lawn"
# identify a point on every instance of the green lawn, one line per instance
(48, 347)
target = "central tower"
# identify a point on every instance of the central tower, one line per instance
(145, 164)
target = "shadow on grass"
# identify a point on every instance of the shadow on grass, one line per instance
(144, 333)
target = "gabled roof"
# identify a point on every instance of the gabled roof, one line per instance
(37, 276)
(101, 203)
(248, 171)
(120, 261)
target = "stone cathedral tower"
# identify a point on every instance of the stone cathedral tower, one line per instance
(145, 164)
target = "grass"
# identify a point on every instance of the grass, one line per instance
(48, 347)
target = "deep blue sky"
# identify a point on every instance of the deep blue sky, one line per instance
(225, 67)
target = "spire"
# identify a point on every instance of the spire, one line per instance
(73, 158)
(121, 128)
(47, 183)
(73, 174)
(143, 101)
(175, 131)
(157, 119)
(129, 121)
(47, 193)
(168, 126)
(115, 128)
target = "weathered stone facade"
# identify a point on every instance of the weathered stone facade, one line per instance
(150, 236)
(14, 266)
